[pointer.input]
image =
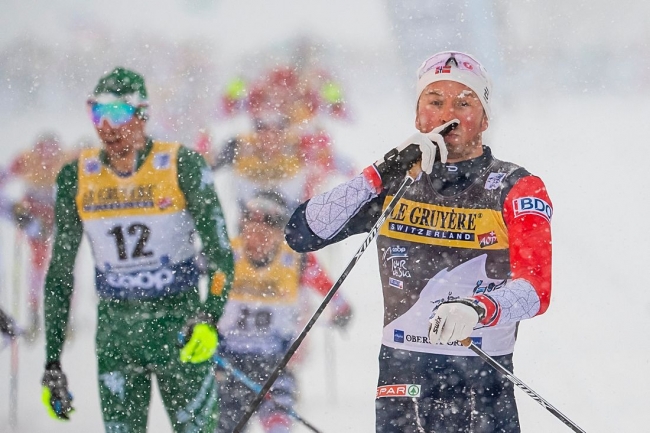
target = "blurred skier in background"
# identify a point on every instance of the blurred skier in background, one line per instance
(36, 169)
(288, 150)
(14, 212)
(140, 202)
(466, 253)
(268, 158)
(263, 314)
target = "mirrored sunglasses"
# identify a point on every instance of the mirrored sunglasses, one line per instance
(115, 113)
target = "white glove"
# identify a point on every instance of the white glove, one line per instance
(455, 320)
(435, 137)
(428, 144)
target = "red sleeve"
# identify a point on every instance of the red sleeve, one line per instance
(314, 277)
(527, 212)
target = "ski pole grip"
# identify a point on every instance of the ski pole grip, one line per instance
(466, 342)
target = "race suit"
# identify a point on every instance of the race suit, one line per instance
(261, 319)
(475, 228)
(257, 169)
(141, 229)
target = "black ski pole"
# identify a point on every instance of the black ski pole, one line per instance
(252, 407)
(255, 387)
(514, 379)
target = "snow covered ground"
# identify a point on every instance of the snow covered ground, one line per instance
(587, 355)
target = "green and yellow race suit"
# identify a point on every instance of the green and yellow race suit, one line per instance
(141, 229)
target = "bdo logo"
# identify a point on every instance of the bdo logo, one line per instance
(532, 205)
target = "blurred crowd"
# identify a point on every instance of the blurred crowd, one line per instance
(282, 155)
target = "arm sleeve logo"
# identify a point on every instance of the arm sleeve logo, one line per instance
(532, 206)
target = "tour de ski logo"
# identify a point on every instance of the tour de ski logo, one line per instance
(161, 161)
(482, 288)
(396, 256)
(287, 260)
(494, 181)
(92, 166)
(487, 239)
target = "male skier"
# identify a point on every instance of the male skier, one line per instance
(140, 202)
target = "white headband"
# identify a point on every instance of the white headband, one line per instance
(462, 69)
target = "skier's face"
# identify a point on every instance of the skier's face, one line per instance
(261, 240)
(443, 101)
(271, 139)
(120, 141)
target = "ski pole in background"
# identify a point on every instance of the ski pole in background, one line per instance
(13, 386)
(330, 367)
(252, 407)
(514, 379)
(13, 375)
(255, 387)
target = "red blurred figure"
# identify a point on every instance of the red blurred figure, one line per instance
(37, 169)
(288, 151)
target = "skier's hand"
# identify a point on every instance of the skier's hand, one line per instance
(455, 320)
(418, 147)
(7, 325)
(25, 221)
(55, 395)
(200, 341)
(22, 215)
(342, 316)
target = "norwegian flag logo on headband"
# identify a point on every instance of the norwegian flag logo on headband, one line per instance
(459, 67)
(443, 62)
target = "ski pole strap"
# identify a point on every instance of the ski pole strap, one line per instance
(514, 379)
(255, 387)
(252, 407)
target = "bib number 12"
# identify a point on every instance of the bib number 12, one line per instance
(141, 231)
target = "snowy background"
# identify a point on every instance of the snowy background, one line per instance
(571, 92)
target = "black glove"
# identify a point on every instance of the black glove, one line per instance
(427, 148)
(397, 163)
(7, 325)
(56, 397)
(22, 216)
